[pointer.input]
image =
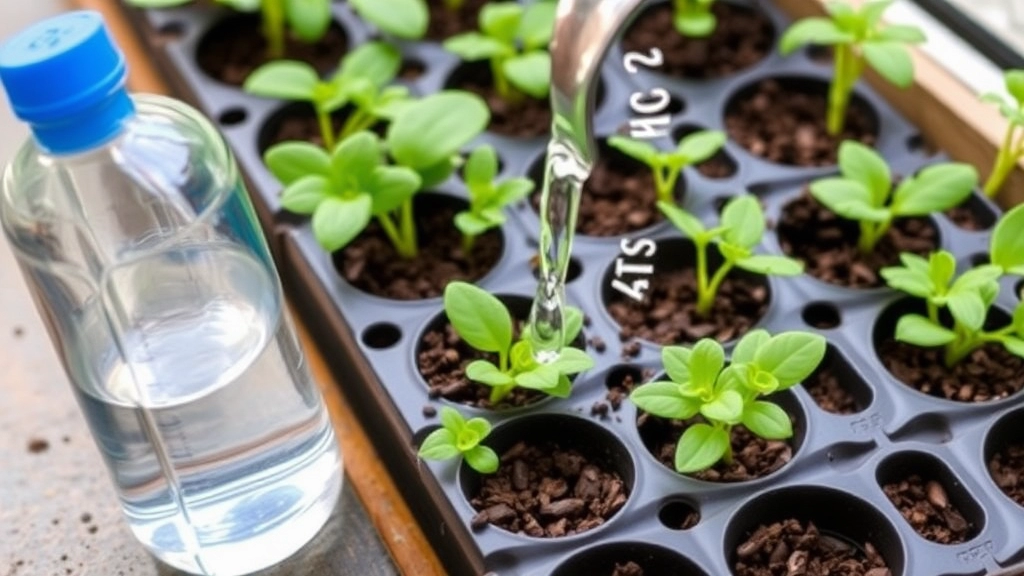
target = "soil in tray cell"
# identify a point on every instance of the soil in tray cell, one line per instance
(794, 547)
(989, 373)
(827, 244)
(628, 569)
(526, 118)
(830, 395)
(926, 507)
(742, 38)
(547, 492)
(1007, 470)
(445, 22)
(719, 166)
(783, 121)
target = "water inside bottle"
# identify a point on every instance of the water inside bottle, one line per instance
(218, 465)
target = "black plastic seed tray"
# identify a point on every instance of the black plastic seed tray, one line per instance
(839, 462)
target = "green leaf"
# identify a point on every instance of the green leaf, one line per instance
(975, 279)
(308, 19)
(241, 5)
(355, 158)
(290, 161)
(676, 360)
(486, 373)
(500, 20)
(906, 280)
(537, 25)
(481, 167)
(687, 223)
(451, 419)
(480, 427)
(941, 269)
(479, 318)
(920, 331)
(401, 18)
(746, 349)
(695, 25)
(284, 79)
(727, 408)
(542, 377)
(562, 389)
(433, 129)
(791, 356)
(848, 198)
(471, 224)
(871, 12)
(771, 265)
(482, 459)
(637, 149)
(967, 309)
(572, 324)
(438, 445)
(934, 189)
(1014, 80)
(891, 60)
(572, 361)
(762, 381)
(1007, 244)
(305, 194)
(902, 33)
(157, 3)
(530, 73)
(664, 399)
(473, 46)
(1018, 320)
(700, 146)
(391, 186)
(337, 221)
(706, 361)
(743, 221)
(376, 62)
(1014, 345)
(767, 421)
(863, 164)
(700, 447)
(821, 31)
(513, 190)
(435, 174)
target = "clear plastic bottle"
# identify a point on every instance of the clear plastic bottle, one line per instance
(146, 261)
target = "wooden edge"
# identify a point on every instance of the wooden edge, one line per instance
(950, 115)
(384, 505)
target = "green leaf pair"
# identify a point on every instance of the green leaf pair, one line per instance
(865, 192)
(693, 18)
(483, 322)
(514, 38)
(1012, 149)
(738, 233)
(859, 39)
(667, 166)
(361, 80)
(460, 437)
(487, 197)
(406, 19)
(700, 384)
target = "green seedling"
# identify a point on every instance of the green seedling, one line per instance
(1012, 150)
(666, 166)
(487, 197)
(739, 231)
(344, 189)
(460, 437)
(361, 80)
(865, 193)
(701, 384)
(859, 39)
(406, 19)
(1006, 248)
(307, 20)
(514, 38)
(693, 18)
(968, 299)
(483, 322)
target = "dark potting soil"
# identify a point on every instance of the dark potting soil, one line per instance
(545, 491)
(370, 262)
(1007, 469)
(753, 457)
(445, 23)
(793, 547)
(829, 394)
(236, 47)
(668, 314)
(742, 38)
(528, 118)
(988, 373)
(628, 569)
(300, 124)
(785, 124)
(827, 244)
(442, 359)
(965, 217)
(926, 507)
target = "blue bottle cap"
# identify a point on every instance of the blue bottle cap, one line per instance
(65, 77)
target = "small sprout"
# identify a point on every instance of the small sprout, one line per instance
(458, 436)
(406, 19)
(860, 38)
(1012, 150)
(514, 38)
(740, 230)
(968, 299)
(487, 197)
(666, 166)
(360, 81)
(693, 18)
(865, 192)
(700, 383)
(483, 322)
(1007, 244)
(307, 20)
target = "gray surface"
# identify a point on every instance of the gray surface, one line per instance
(58, 511)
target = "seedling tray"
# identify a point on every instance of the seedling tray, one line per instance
(839, 462)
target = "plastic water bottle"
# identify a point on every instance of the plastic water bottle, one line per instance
(145, 258)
